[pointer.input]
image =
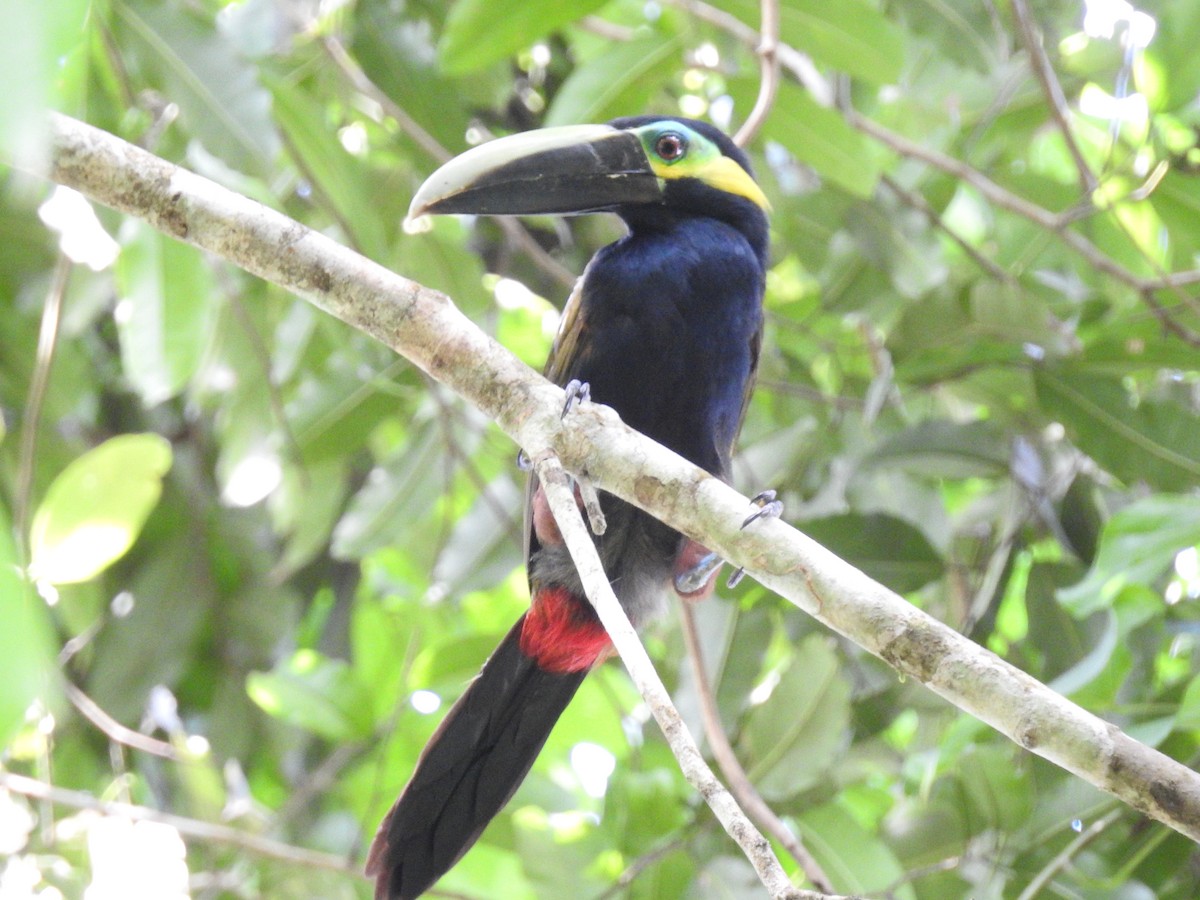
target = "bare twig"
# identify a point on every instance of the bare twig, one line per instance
(561, 497)
(1069, 852)
(47, 342)
(1055, 100)
(188, 828)
(768, 61)
(739, 782)
(797, 63)
(114, 730)
(429, 330)
(919, 203)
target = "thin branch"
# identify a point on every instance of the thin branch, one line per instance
(798, 64)
(739, 782)
(114, 730)
(560, 494)
(919, 203)
(32, 420)
(1069, 852)
(365, 86)
(768, 61)
(429, 330)
(188, 828)
(1055, 100)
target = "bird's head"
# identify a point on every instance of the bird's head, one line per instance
(640, 167)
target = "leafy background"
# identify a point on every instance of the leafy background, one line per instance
(261, 551)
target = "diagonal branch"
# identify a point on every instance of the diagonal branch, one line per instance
(561, 497)
(429, 330)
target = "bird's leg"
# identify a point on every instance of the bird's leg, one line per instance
(580, 392)
(696, 565)
(695, 570)
(768, 508)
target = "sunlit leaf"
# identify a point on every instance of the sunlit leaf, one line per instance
(481, 32)
(1137, 546)
(217, 91)
(617, 82)
(853, 37)
(794, 737)
(857, 861)
(95, 508)
(26, 640)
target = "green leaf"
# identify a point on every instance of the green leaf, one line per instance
(856, 860)
(1153, 442)
(1188, 715)
(795, 736)
(26, 639)
(817, 136)
(1137, 546)
(617, 82)
(999, 791)
(315, 693)
(94, 509)
(481, 32)
(165, 315)
(886, 548)
(382, 512)
(217, 91)
(340, 179)
(41, 39)
(946, 450)
(851, 36)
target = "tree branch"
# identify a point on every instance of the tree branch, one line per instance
(768, 61)
(740, 785)
(428, 329)
(189, 828)
(1055, 100)
(561, 497)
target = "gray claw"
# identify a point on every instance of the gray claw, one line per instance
(577, 392)
(768, 507)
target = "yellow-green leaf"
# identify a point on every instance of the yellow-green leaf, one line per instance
(95, 508)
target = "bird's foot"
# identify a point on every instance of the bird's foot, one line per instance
(586, 498)
(768, 508)
(696, 566)
(578, 392)
(695, 571)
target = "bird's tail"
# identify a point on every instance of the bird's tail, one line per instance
(477, 758)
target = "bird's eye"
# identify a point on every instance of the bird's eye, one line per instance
(670, 147)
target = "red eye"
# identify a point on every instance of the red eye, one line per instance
(670, 147)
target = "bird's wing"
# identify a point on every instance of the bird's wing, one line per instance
(564, 353)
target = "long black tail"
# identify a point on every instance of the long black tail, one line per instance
(472, 765)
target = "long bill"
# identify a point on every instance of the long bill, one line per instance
(572, 169)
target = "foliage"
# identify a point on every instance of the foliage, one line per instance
(266, 543)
